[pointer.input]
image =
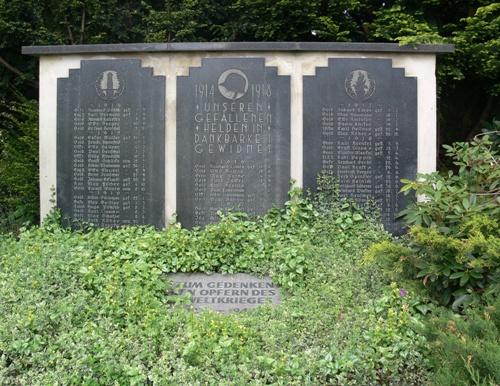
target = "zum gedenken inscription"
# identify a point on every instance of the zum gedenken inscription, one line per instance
(360, 125)
(233, 139)
(225, 292)
(110, 144)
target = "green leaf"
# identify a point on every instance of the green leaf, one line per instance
(461, 301)
(404, 188)
(456, 275)
(423, 308)
(464, 279)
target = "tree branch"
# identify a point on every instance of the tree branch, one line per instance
(82, 26)
(16, 71)
(10, 67)
(68, 27)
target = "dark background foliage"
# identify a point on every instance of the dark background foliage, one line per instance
(468, 84)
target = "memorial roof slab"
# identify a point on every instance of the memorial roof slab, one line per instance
(238, 46)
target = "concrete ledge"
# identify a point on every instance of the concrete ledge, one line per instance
(237, 46)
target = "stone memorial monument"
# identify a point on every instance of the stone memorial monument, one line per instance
(110, 144)
(225, 293)
(137, 133)
(233, 139)
(360, 125)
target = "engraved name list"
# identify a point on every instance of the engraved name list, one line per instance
(110, 147)
(232, 139)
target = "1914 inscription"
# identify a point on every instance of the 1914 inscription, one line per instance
(110, 144)
(233, 139)
(225, 293)
(360, 125)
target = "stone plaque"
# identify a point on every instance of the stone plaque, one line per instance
(360, 125)
(225, 293)
(110, 144)
(233, 139)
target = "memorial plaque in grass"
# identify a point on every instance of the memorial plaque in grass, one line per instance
(225, 292)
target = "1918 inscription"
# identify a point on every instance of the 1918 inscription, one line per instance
(233, 139)
(110, 144)
(360, 125)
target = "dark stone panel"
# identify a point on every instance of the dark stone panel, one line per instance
(233, 139)
(360, 125)
(225, 293)
(237, 46)
(110, 144)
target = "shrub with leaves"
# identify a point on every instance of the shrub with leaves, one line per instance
(453, 245)
(453, 252)
(19, 165)
(451, 198)
(465, 348)
(456, 269)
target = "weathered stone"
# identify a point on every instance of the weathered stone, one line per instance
(360, 125)
(225, 293)
(110, 144)
(233, 139)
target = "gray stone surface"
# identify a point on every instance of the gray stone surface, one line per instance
(225, 293)
(110, 144)
(236, 46)
(360, 124)
(233, 139)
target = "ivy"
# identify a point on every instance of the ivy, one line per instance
(92, 306)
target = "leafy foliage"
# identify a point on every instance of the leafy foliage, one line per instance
(450, 199)
(91, 307)
(19, 166)
(189, 20)
(396, 23)
(46, 22)
(478, 45)
(453, 249)
(466, 348)
(291, 20)
(390, 340)
(454, 245)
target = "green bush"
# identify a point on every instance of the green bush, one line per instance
(454, 269)
(453, 252)
(19, 166)
(453, 245)
(450, 199)
(466, 348)
(92, 307)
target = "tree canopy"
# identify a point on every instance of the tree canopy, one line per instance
(468, 80)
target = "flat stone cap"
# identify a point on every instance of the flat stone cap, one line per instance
(238, 46)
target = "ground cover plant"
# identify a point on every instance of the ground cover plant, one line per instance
(465, 347)
(92, 307)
